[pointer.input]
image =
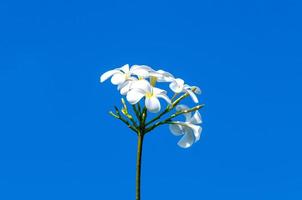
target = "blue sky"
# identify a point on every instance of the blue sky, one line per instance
(58, 142)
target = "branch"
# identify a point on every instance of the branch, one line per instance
(137, 113)
(168, 109)
(117, 115)
(169, 119)
(126, 113)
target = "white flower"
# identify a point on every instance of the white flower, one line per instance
(142, 88)
(189, 130)
(178, 85)
(123, 77)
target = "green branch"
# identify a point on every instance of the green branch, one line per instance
(169, 119)
(118, 116)
(168, 109)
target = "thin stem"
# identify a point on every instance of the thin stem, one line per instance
(117, 115)
(137, 112)
(138, 165)
(168, 109)
(143, 119)
(168, 120)
(139, 107)
(174, 96)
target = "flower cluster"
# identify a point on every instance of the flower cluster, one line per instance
(138, 83)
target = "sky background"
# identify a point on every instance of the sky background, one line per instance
(58, 142)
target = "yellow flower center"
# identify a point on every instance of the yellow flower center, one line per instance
(127, 75)
(149, 95)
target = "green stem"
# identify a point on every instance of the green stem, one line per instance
(138, 165)
(168, 120)
(137, 112)
(168, 109)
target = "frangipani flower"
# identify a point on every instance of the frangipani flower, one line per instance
(142, 88)
(123, 77)
(189, 130)
(178, 86)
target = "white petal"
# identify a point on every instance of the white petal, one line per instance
(155, 74)
(153, 104)
(125, 68)
(134, 96)
(161, 94)
(118, 78)
(165, 97)
(108, 74)
(182, 108)
(176, 129)
(142, 85)
(140, 70)
(197, 90)
(157, 91)
(193, 96)
(196, 119)
(196, 131)
(120, 86)
(187, 140)
(177, 85)
(125, 87)
(135, 67)
(162, 76)
(165, 73)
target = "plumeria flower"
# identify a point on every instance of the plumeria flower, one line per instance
(142, 88)
(123, 77)
(189, 130)
(178, 85)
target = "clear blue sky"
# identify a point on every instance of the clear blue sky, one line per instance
(57, 141)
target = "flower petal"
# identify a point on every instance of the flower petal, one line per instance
(140, 70)
(153, 104)
(177, 85)
(187, 140)
(124, 87)
(176, 129)
(193, 96)
(196, 119)
(197, 90)
(183, 107)
(142, 85)
(196, 131)
(125, 68)
(165, 97)
(162, 76)
(118, 78)
(134, 96)
(108, 74)
(157, 91)
(161, 94)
